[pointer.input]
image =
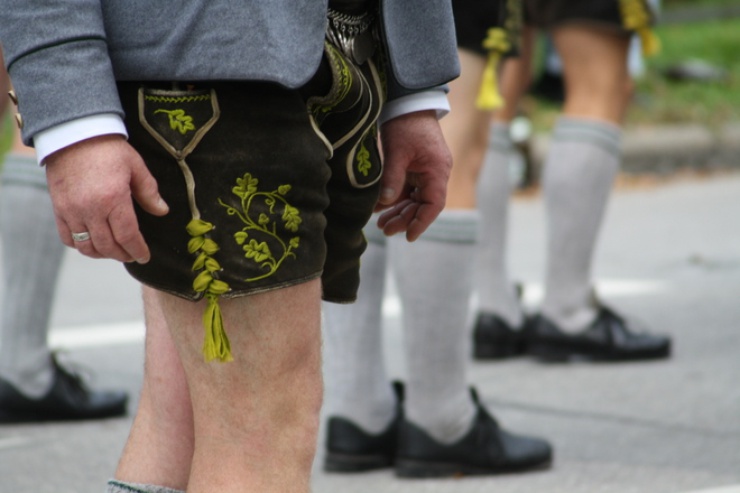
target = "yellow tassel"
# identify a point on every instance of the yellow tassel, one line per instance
(216, 344)
(489, 97)
(636, 17)
(650, 42)
(496, 43)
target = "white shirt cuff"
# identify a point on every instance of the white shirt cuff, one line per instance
(433, 99)
(55, 138)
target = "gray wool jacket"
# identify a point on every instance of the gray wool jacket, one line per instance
(64, 56)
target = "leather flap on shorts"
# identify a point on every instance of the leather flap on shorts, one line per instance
(178, 119)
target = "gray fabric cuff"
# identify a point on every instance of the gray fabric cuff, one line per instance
(454, 226)
(115, 486)
(604, 135)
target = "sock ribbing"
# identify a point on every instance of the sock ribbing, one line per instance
(32, 255)
(496, 294)
(579, 173)
(434, 279)
(357, 385)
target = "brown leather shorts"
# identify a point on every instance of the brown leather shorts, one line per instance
(549, 14)
(473, 19)
(267, 186)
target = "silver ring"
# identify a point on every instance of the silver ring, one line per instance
(84, 236)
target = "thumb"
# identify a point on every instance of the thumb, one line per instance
(392, 182)
(145, 191)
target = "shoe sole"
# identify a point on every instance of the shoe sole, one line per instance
(347, 463)
(411, 469)
(553, 351)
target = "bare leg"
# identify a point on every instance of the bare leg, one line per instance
(256, 418)
(516, 76)
(160, 446)
(466, 132)
(597, 80)
(252, 423)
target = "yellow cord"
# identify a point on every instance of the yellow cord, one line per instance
(497, 43)
(636, 17)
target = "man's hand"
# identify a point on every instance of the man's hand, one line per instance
(91, 184)
(417, 165)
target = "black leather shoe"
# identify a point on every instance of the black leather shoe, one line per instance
(608, 338)
(485, 449)
(350, 449)
(68, 399)
(493, 338)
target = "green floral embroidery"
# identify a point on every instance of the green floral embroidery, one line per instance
(364, 165)
(179, 120)
(260, 239)
(216, 344)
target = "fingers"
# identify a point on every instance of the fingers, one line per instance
(411, 215)
(396, 219)
(392, 184)
(91, 185)
(145, 191)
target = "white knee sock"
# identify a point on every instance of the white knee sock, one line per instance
(32, 255)
(357, 385)
(579, 173)
(115, 486)
(434, 277)
(496, 292)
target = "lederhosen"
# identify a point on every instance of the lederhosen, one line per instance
(267, 186)
(474, 19)
(491, 29)
(622, 16)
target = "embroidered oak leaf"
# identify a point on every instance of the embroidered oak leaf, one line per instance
(245, 186)
(283, 189)
(179, 120)
(292, 218)
(259, 251)
(263, 219)
(363, 161)
(294, 242)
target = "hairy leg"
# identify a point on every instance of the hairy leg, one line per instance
(256, 418)
(160, 445)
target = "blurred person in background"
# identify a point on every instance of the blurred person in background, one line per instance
(34, 386)
(592, 39)
(433, 425)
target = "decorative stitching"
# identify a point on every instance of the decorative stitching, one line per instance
(177, 99)
(179, 120)
(216, 344)
(364, 164)
(256, 250)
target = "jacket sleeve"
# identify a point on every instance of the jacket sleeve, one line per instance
(57, 58)
(420, 43)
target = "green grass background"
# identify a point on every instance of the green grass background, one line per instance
(660, 100)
